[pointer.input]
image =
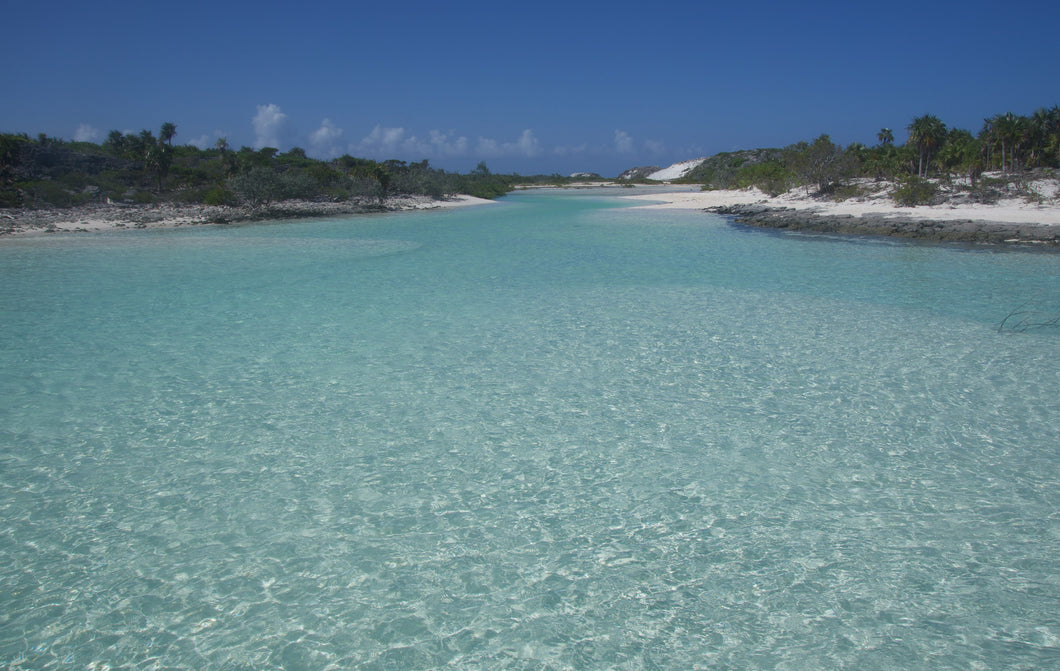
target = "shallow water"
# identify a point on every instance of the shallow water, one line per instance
(550, 433)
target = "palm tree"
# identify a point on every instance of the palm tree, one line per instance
(167, 132)
(1024, 141)
(886, 137)
(926, 133)
(158, 159)
(1003, 129)
(143, 143)
(960, 153)
(116, 142)
(1038, 130)
(1052, 140)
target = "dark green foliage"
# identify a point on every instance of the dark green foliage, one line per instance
(822, 163)
(885, 161)
(10, 157)
(915, 191)
(482, 183)
(960, 154)
(128, 166)
(772, 177)
(927, 133)
(724, 170)
(1008, 142)
(258, 185)
(166, 133)
(47, 193)
(218, 196)
(324, 175)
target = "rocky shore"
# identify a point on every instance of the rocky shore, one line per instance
(99, 217)
(901, 226)
(1023, 212)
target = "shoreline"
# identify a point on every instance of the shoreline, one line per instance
(893, 225)
(1010, 221)
(111, 217)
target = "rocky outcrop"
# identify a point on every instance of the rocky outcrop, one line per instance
(965, 230)
(639, 173)
(718, 170)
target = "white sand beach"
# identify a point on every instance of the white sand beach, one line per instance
(1044, 211)
(96, 218)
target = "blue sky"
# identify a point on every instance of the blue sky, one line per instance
(536, 87)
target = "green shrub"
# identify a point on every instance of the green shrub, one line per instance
(10, 197)
(848, 191)
(915, 191)
(44, 193)
(218, 196)
(769, 176)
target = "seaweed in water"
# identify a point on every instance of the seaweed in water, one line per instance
(1027, 317)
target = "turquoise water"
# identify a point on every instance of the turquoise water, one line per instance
(549, 433)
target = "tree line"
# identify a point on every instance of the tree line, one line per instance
(1007, 143)
(147, 168)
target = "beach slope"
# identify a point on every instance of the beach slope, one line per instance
(1010, 220)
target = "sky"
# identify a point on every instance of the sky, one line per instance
(534, 88)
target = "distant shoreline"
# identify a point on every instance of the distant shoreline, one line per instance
(1007, 222)
(114, 217)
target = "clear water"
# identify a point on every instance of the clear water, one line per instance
(551, 433)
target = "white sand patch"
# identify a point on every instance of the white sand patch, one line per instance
(1013, 210)
(699, 200)
(424, 203)
(676, 171)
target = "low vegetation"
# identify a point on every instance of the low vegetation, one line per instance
(144, 168)
(935, 158)
(1002, 159)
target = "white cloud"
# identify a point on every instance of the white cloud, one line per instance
(527, 145)
(381, 141)
(384, 142)
(86, 133)
(270, 126)
(325, 142)
(205, 141)
(567, 151)
(487, 147)
(623, 142)
(447, 144)
(654, 147)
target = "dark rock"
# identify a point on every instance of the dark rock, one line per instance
(639, 173)
(966, 230)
